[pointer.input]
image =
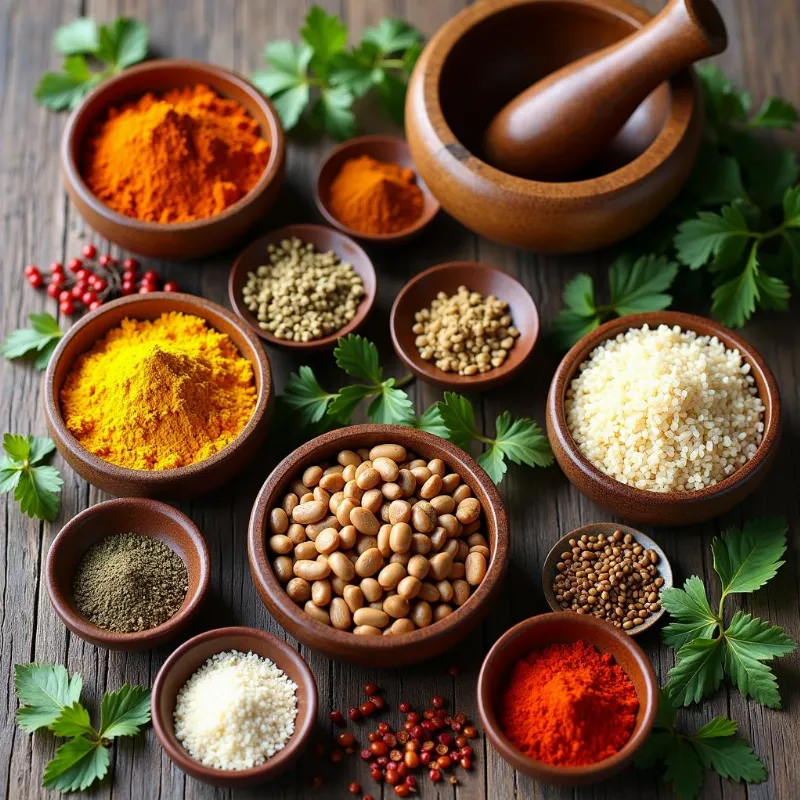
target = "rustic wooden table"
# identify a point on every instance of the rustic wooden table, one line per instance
(38, 224)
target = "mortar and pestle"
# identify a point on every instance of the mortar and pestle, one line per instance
(560, 125)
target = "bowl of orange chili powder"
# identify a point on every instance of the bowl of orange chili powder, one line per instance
(566, 698)
(173, 159)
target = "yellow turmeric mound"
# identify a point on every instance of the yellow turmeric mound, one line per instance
(159, 394)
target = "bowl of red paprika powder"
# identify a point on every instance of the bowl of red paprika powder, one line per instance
(571, 689)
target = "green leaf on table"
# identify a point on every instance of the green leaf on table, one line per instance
(392, 97)
(775, 112)
(76, 765)
(326, 35)
(791, 208)
(332, 112)
(392, 35)
(698, 671)
(305, 396)
(522, 441)
(697, 240)
(773, 171)
(689, 606)
(459, 417)
(684, 770)
(37, 487)
(580, 315)
(78, 37)
(653, 750)
(431, 422)
(719, 726)
(61, 90)
(122, 43)
(734, 301)
(72, 721)
(43, 691)
(759, 639)
(346, 401)
(39, 340)
(716, 179)
(638, 286)
(729, 757)
(124, 711)
(359, 358)
(357, 69)
(287, 80)
(391, 406)
(578, 295)
(725, 103)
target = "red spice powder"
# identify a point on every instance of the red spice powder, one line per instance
(568, 705)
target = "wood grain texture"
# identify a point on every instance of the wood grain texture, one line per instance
(37, 224)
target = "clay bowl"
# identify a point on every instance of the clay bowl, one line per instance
(181, 240)
(189, 657)
(422, 289)
(183, 482)
(324, 239)
(383, 148)
(607, 528)
(131, 515)
(564, 628)
(453, 96)
(385, 651)
(662, 508)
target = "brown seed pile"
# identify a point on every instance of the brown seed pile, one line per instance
(380, 543)
(611, 577)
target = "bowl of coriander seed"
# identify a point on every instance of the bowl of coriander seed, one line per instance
(302, 287)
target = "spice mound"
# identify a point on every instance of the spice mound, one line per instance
(185, 155)
(465, 333)
(665, 410)
(129, 582)
(159, 394)
(568, 705)
(236, 711)
(613, 578)
(380, 543)
(375, 197)
(302, 294)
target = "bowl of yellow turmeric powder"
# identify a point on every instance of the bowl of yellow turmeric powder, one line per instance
(158, 395)
(173, 159)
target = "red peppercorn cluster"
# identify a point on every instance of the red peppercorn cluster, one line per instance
(432, 740)
(89, 281)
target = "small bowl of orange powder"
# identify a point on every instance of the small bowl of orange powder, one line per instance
(566, 698)
(173, 159)
(368, 189)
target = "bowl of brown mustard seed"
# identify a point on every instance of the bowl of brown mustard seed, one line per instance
(128, 574)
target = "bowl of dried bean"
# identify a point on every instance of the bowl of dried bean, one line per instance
(378, 544)
(609, 571)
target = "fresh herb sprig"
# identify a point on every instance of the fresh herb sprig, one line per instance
(313, 409)
(686, 756)
(37, 342)
(36, 486)
(744, 559)
(319, 79)
(120, 44)
(50, 699)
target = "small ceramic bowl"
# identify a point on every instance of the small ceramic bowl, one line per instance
(564, 628)
(130, 515)
(182, 240)
(383, 651)
(189, 657)
(420, 292)
(608, 529)
(188, 481)
(662, 508)
(390, 149)
(324, 239)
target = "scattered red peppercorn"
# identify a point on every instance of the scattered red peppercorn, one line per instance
(411, 782)
(88, 298)
(64, 295)
(30, 269)
(470, 732)
(53, 290)
(74, 264)
(391, 777)
(345, 739)
(89, 251)
(367, 708)
(35, 279)
(411, 759)
(445, 738)
(371, 688)
(56, 268)
(145, 289)
(435, 775)
(336, 717)
(336, 756)
(404, 707)
(150, 275)
(378, 748)
(99, 284)
(82, 274)
(354, 714)
(466, 763)
(67, 307)
(401, 790)
(354, 788)
(365, 754)
(95, 305)
(376, 775)
(105, 260)
(424, 758)
(171, 286)
(377, 701)
(130, 264)
(437, 701)
(444, 762)
(368, 797)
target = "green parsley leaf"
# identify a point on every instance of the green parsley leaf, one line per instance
(392, 35)
(771, 173)
(40, 338)
(122, 43)
(72, 721)
(699, 239)
(717, 178)
(78, 37)
(76, 765)
(359, 358)
(43, 691)
(392, 97)
(698, 671)
(124, 711)
(391, 406)
(305, 396)
(346, 402)
(791, 208)
(775, 112)
(569, 327)
(332, 112)
(638, 286)
(690, 607)
(729, 757)
(762, 640)
(578, 295)
(60, 90)
(725, 104)
(432, 422)
(734, 301)
(326, 36)
(719, 726)
(684, 770)
(459, 417)
(357, 69)
(652, 752)
(36, 488)
(745, 559)
(522, 441)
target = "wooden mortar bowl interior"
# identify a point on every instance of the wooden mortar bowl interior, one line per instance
(564, 628)
(374, 651)
(199, 238)
(130, 515)
(662, 508)
(489, 53)
(189, 481)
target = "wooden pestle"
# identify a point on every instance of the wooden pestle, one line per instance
(565, 120)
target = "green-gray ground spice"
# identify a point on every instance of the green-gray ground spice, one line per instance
(129, 582)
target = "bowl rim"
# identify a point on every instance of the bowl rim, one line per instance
(581, 351)
(432, 373)
(154, 478)
(648, 705)
(592, 529)
(362, 312)
(304, 723)
(90, 632)
(355, 144)
(457, 459)
(215, 73)
(670, 138)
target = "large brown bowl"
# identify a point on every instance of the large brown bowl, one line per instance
(662, 508)
(188, 658)
(323, 239)
(198, 238)
(131, 515)
(564, 628)
(421, 291)
(188, 481)
(384, 651)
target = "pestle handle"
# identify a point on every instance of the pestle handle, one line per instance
(562, 122)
